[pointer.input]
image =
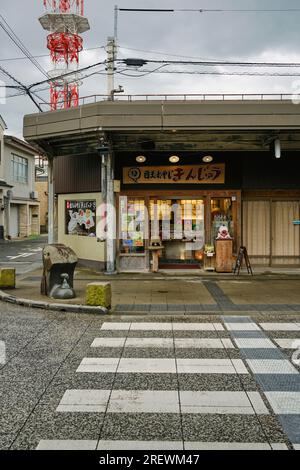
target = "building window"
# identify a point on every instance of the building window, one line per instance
(19, 169)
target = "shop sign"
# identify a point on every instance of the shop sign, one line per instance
(80, 218)
(196, 174)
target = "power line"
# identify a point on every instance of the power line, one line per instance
(33, 85)
(139, 74)
(42, 56)
(221, 63)
(17, 41)
(21, 87)
(203, 10)
(163, 53)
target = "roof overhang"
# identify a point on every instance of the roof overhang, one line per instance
(172, 125)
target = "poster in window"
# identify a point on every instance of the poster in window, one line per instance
(81, 218)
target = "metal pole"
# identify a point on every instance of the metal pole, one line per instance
(108, 195)
(111, 219)
(116, 24)
(110, 67)
(50, 202)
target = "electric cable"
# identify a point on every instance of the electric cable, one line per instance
(17, 41)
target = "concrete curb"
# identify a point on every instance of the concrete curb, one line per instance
(73, 308)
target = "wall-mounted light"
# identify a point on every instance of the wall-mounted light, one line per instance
(277, 147)
(207, 159)
(141, 159)
(174, 159)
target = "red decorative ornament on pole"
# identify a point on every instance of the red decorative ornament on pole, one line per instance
(65, 21)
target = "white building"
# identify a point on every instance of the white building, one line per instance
(4, 187)
(18, 198)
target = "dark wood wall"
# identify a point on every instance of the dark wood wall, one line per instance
(244, 170)
(78, 174)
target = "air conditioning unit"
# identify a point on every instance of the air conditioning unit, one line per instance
(34, 195)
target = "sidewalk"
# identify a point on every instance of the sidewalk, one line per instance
(180, 292)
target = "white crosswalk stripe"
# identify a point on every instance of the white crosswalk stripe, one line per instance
(156, 445)
(280, 326)
(288, 343)
(162, 366)
(166, 401)
(185, 343)
(162, 326)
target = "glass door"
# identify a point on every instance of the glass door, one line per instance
(179, 225)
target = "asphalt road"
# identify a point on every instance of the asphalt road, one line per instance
(23, 255)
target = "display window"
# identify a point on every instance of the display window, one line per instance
(181, 230)
(132, 225)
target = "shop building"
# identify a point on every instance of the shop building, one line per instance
(19, 200)
(172, 173)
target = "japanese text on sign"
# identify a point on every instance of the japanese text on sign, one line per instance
(198, 174)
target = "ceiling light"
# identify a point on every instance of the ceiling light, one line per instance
(174, 159)
(141, 159)
(277, 146)
(207, 159)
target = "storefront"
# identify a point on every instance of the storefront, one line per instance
(184, 205)
(174, 176)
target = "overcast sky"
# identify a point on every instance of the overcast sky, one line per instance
(221, 36)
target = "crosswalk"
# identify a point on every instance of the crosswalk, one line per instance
(210, 385)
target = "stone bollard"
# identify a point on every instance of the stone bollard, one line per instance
(7, 278)
(98, 294)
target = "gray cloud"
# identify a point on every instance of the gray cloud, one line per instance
(244, 36)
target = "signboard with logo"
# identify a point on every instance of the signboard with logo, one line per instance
(196, 174)
(80, 218)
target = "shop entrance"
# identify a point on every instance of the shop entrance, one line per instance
(179, 224)
(184, 225)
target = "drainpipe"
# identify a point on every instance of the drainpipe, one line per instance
(51, 204)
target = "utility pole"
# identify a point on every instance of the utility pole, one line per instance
(111, 49)
(111, 56)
